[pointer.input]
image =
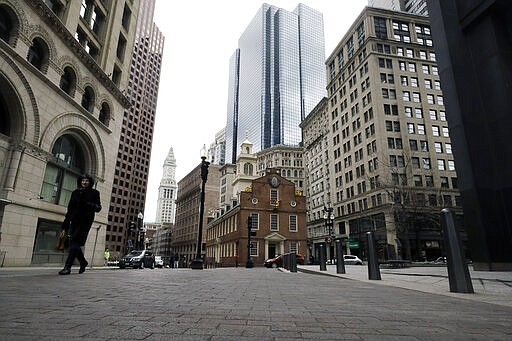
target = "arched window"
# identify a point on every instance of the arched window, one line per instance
(68, 81)
(248, 169)
(104, 114)
(6, 25)
(38, 54)
(88, 99)
(60, 177)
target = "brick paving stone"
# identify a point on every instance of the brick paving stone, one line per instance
(233, 304)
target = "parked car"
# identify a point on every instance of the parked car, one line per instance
(278, 261)
(352, 260)
(159, 262)
(138, 259)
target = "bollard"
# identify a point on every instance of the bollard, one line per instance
(293, 262)
(458, 273)
(323, 266)
(286, 261)
(340, 261)
(373, 263)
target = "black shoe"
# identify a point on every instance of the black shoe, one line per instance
(82, 267)
(65, 271)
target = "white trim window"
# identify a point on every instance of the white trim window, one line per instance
(293, 223)
(274, 222)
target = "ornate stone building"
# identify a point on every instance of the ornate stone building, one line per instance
(167, 191)
(390, 163)
(63, 65)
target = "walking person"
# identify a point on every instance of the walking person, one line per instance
(106, 256)
(83, 204)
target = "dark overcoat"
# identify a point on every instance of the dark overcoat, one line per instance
(83, 204)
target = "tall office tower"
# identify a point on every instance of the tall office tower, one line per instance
(479, 102)
(63, 65)
(217, 149)
(394, 5)
(411, 6)
(389, 154)
(134, 150)
(276, 78)
(416, 7)
(167, 191)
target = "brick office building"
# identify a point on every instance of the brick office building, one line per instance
(278, 212)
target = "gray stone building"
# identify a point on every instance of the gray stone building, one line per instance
(62, 67)
(387, 148)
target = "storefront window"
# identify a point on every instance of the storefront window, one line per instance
(44, 246)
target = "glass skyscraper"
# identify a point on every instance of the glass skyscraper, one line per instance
(277, 76)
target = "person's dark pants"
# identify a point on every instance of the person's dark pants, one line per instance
(75, 251)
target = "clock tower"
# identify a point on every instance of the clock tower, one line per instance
(167, 191)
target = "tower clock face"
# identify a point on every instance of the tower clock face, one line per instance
(274, 181)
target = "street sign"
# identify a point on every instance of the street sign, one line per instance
(353, 244)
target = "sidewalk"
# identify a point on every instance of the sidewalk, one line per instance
(490, 287)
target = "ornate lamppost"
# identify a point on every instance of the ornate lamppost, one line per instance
(329, 223)
(197, 263)
(140, 236)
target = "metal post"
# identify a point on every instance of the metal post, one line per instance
(373, 263)
(323, 267)
(458, 273)
(340, 264)
(197, 263)
(293, 262)
(94, 248)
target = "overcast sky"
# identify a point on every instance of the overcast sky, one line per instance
(200, 37)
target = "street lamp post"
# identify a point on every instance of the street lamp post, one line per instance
(197, 263)
(329, 222)
(140, 241)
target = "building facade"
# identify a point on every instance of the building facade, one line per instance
(317, 148)
(276, 78)
(128, 196)
(411, 6)
(160, 243)
(288, 161)
(278, 214)
(390, 163)
(186, 228)
(167, 191)
(217, 150)
(63, 66)
(479, 102)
